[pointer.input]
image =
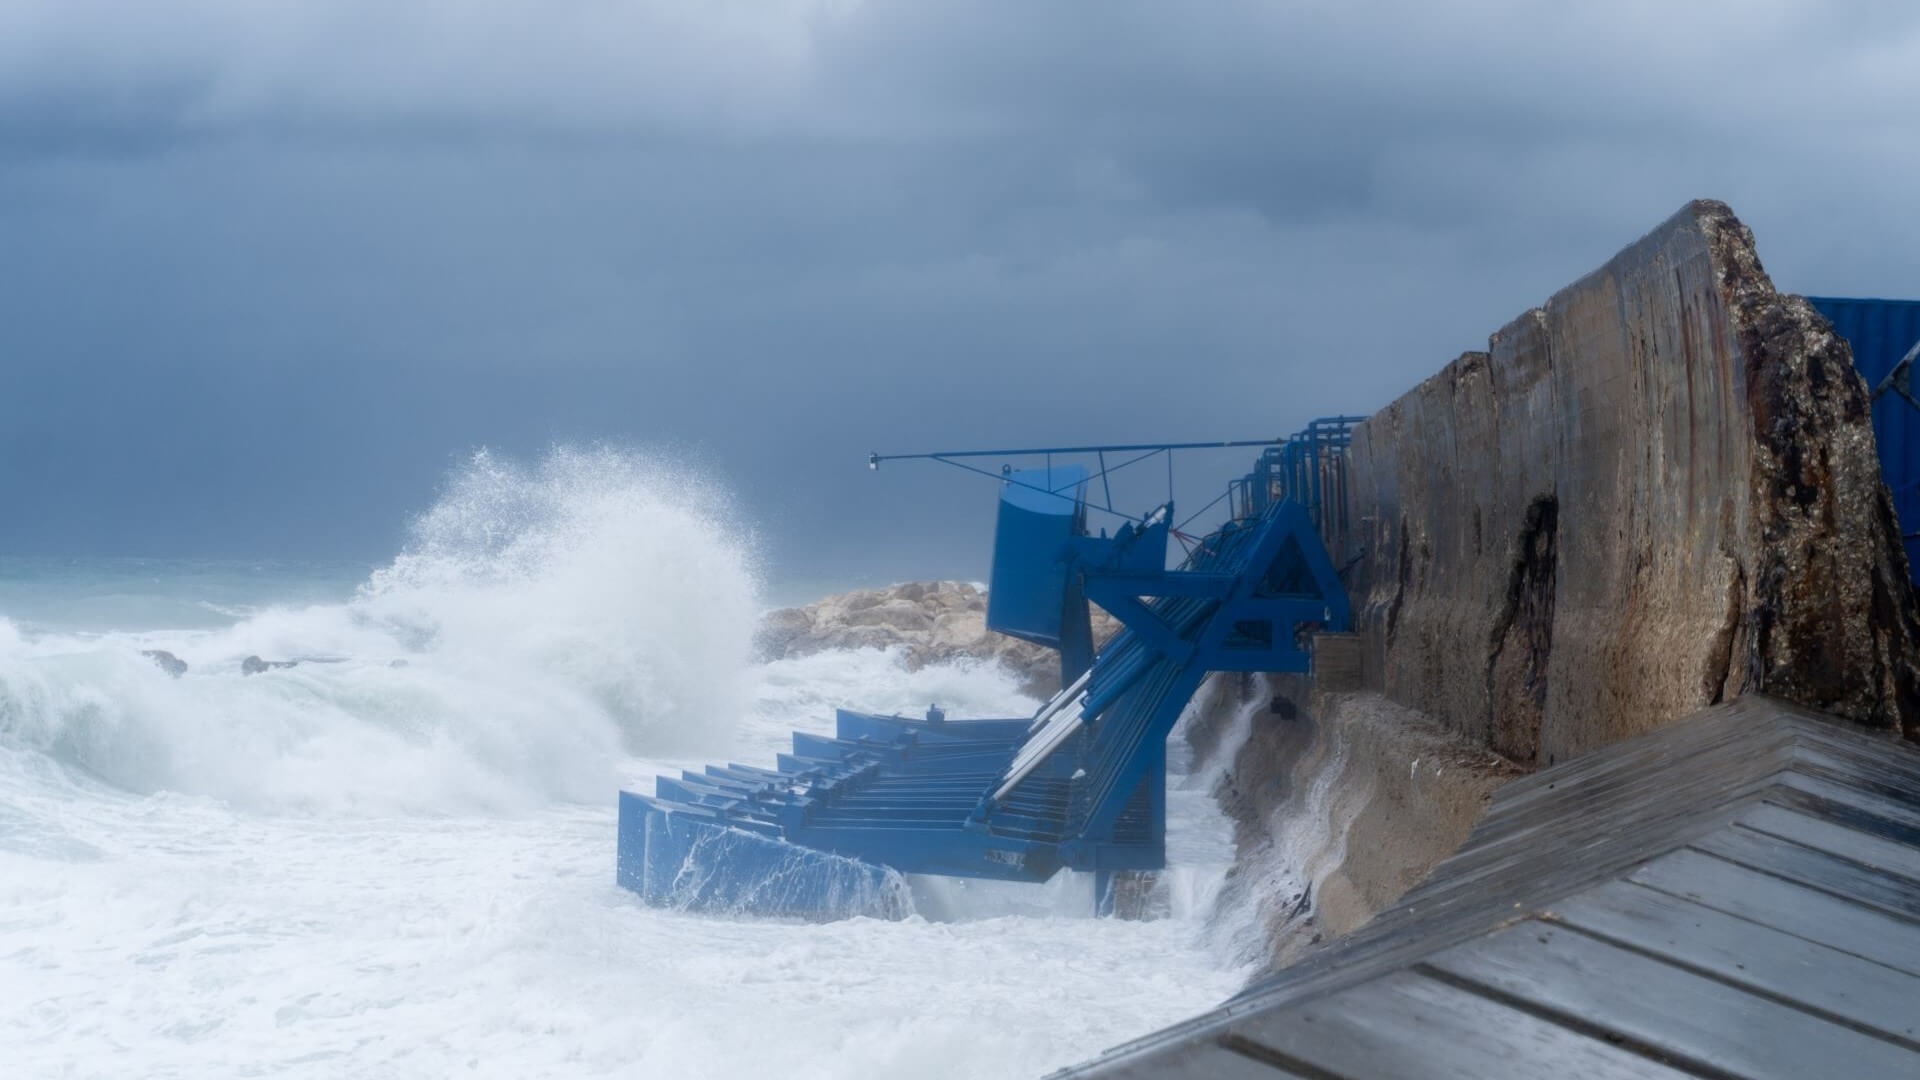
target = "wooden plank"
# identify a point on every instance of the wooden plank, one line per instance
(1825, 787)
(1192, 1061)
(1750, 955)
(1843, 807)
(1703, 737)
(1620, 796)
(1793, 909)
(1886, 762)
(1577, 849)
(1815, 869)
(1592, 807)
(1621, 800)
(1705, 1023)
(1580, 843)
(1862, 776)
(1451, 907)
(1717, 746)
(1881, 853)
(1408, 1026)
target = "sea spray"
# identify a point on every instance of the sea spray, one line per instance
(201, 938)
(308, 872)
(542, 621)
(624, 578)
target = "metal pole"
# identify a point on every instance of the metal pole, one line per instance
(1109, 448)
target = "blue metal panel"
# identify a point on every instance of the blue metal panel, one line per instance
(679, 860)
(1881, 333)
(1040, 514)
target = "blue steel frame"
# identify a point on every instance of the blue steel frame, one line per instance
(825, 832)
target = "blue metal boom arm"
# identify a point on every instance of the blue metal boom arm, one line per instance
(874, 460)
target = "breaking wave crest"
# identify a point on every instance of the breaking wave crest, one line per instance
(543, 619)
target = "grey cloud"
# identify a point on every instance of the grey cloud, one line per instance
(346, 242)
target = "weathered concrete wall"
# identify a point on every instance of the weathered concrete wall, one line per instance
(1655, 492)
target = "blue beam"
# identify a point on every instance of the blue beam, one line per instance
(1140, 619)
(1164, 583)
(1034, 451)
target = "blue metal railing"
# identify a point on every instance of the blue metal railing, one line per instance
(1310, 467)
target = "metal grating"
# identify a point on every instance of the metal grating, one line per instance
(1736, 895)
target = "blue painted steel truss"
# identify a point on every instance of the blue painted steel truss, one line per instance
(829, 830)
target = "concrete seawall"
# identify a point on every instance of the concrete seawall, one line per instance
(1653, 493)
(1656, 492)
(1341, 802)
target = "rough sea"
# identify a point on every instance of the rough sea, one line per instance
(395, 859)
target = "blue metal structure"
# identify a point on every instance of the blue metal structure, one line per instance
(1081, 785)
(1029, 594)
(1885, 336)
(1310, 468)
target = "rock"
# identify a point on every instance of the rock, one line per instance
(898, 614)
(1347, 794)
(253, 665)
(852, 637)
(166, 661)
(780, 629)
(929, 622)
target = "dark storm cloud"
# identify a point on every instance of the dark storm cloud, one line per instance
(265, 270)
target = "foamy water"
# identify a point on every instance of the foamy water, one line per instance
(399, 861)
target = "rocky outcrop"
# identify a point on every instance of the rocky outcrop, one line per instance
(929, 622)
(166, 661)
(1656, 492)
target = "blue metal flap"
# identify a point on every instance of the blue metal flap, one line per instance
(1040, 514)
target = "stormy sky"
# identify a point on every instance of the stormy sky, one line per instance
(267, 270)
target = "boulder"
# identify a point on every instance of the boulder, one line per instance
(253, 665)
(166, 661)
(900, 614)
(928, 622)
(780, 629)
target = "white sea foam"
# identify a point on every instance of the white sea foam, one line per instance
(357, 869)
(541, 621)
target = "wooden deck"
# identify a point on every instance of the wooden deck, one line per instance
(1735, 895)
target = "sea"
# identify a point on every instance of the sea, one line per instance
(394, 858)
